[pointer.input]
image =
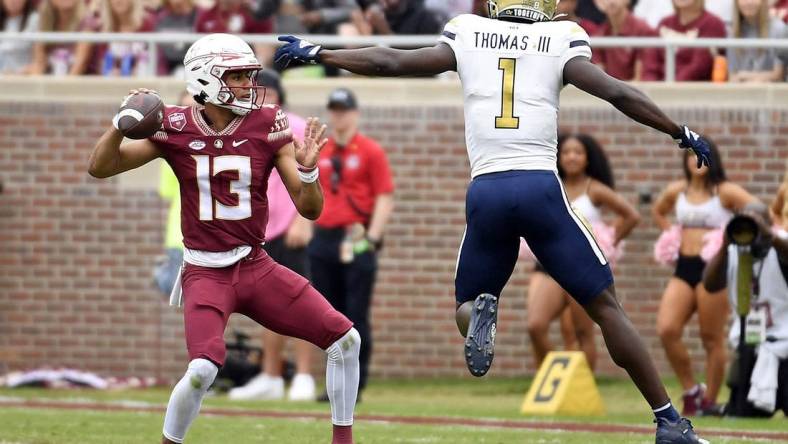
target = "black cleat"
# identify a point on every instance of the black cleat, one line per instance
(679, 432)
(480, 342)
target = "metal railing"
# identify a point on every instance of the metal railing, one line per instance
(670, 45)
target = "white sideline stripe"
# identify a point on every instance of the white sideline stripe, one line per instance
(581, 225)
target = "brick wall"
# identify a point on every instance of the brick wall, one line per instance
(76, 253)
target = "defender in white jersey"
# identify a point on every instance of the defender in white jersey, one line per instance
(511, 79)
(513, 67)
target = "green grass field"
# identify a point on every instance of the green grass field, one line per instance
(444, 401)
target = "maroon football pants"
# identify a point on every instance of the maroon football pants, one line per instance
(258, 287)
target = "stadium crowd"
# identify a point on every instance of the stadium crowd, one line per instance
(624, 18)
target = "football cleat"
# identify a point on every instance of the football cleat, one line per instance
(679, 432)
(480, 342)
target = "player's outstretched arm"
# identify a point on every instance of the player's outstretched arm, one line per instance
(296, 163)
(375, 61)
(110, 158)
(588, 77)
(583, 74)
(388, 62)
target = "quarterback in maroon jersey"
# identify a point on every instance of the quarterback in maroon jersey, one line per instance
(222, 152)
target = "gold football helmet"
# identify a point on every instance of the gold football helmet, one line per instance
(526, 10)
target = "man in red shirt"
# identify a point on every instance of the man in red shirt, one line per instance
(622, 63)
(355, 177)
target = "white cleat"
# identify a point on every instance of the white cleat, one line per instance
(261, 387)
(302, 388)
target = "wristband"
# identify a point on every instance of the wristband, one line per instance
(310, 176)
(304, 169)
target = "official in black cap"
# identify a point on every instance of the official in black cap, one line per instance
(342, 99)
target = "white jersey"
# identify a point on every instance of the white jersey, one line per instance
(512, 75)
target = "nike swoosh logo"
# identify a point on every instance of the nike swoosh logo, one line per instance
(237, 143)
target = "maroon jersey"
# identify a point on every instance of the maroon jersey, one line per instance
(223, 175)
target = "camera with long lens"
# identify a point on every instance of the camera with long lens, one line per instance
(742, 230)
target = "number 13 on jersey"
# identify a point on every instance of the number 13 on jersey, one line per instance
(210, 208)
(507, 119)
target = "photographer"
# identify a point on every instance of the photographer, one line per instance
(749, 238)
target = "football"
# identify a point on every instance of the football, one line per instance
(140, 115)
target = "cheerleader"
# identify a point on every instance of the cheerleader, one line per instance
(588, 181)
(703, 202)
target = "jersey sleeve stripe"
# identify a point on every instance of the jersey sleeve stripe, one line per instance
(577, 43)
(450, 35)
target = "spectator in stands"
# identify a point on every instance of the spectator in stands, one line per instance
(151, 6)
(569, 7)
(339, 17)
(231, 16)
(480, 8)
(287, 236)
(445, 10)
(124, 58)
(175, 16)
(752, 20)
(17, 16)
(703, 203)
(654, 11)
(590, 10)
(690, 21)
(326, 16)
(237, 17)
(780, 10)
(765, 379)
(401, 17)
(264, 9)
(622, 63)
(63, 58)
(722, 9)
(358, 192)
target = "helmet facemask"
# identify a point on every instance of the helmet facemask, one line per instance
(226, 98)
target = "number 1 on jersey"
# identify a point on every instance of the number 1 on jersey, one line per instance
(507, 119)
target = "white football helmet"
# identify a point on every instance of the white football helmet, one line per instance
(206, 62)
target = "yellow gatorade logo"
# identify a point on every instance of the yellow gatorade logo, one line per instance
(564, 385)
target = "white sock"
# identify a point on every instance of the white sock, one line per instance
(342, 375)
(186, 398)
